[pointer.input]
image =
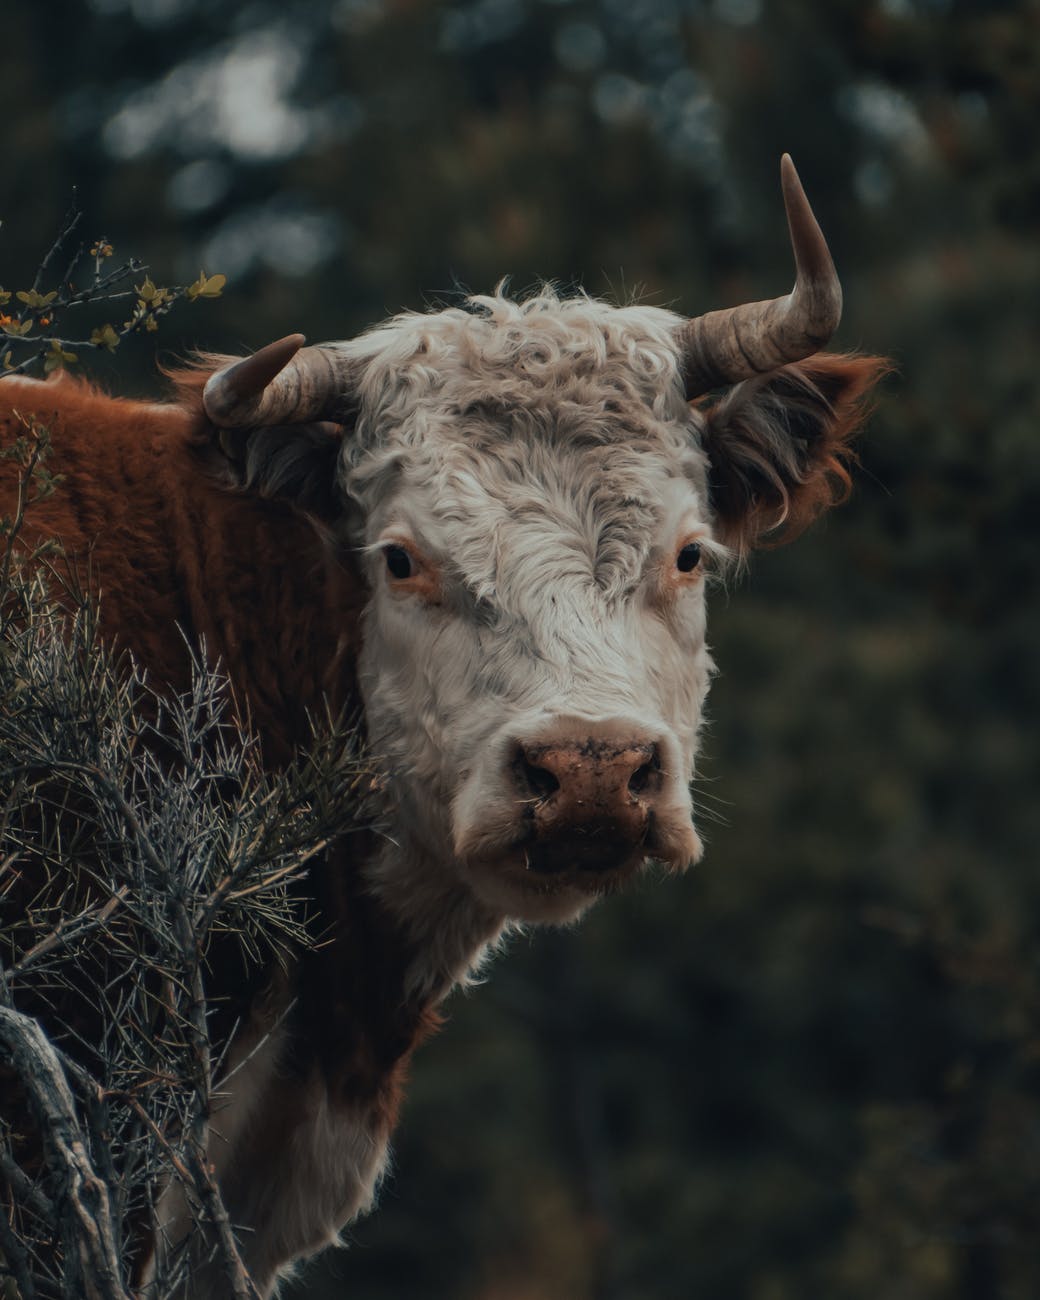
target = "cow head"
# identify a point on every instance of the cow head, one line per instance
(541, 500)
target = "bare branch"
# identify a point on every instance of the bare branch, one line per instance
(91, 1260)
(72, 219)
(69, 930)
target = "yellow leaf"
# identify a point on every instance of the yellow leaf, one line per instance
(214, 286)
(57, 357)
(35, 300)
(206, 286)
(105, 337)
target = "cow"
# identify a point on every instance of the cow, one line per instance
(488, 530)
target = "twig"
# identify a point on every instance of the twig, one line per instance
(91, 1260)
(23, 1187)
(68, 929)
(72, 219)
(17, 1259)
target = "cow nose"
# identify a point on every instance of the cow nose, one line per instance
(589, 798)
(588, 772)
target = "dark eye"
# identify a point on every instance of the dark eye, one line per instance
(688, 558)
(398, 561)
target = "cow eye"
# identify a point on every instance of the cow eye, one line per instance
(688, 558)
(398, 562)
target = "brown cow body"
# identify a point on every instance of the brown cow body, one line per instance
(142, 509)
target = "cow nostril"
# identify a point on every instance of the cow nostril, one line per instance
(643, 776)
(538, 781)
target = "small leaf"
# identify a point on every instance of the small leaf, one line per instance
(57, 358)
(105, 337)
(35, 300)
(206, 286)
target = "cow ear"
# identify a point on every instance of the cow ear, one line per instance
(296, 463)
(778, 447)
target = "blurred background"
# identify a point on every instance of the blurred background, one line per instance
(811, 1067)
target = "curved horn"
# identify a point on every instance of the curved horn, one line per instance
(722, 347)
(283, 383)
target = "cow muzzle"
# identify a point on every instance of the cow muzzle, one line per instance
(582, 803)
(587, 802)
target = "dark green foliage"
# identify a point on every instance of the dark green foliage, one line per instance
(810, 1068)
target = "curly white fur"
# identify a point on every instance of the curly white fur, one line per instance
(543, 456)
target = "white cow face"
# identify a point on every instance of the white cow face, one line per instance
(539, 508)
(538, 541)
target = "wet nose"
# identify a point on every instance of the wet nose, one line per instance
(591, 796)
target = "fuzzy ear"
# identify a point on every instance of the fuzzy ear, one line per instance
(296, 463)
(778, 446)
(293, 462)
